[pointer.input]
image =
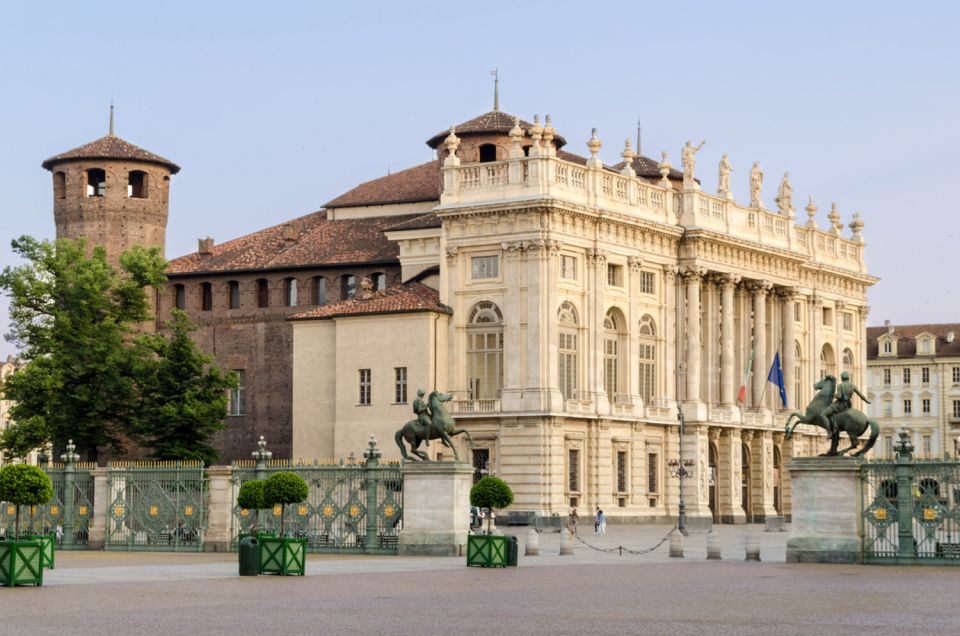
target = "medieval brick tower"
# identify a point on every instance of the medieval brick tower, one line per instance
(111, 193)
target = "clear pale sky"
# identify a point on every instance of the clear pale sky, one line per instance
(273, 109)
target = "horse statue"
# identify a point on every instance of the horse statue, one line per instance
(441, 427)
(851, 421)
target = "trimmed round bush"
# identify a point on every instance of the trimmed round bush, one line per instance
(251, 495)
(284, 488)
(491, 492)
(24, 485)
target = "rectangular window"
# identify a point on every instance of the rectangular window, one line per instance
(364, 386)
(648, 283)
(319, 291)
(181, 296)
(234, 294)
(653, 471)
(290, 292)
(956, 409)
(797, 312)
(887, 408)
(610, 364)
(906, 377)
(568, 267)
(236, 397)
(486, 267)
(827, 316)
(886, 376)
(907, 407)
(615, 275)
(847, 321)
(206, 296)
(481, 462)
(647, 367)
(926, 406)
(927, 446)
(568, 365)
(956, 375)
(925, 375)
(400, 389)
(573, 470)
(621, 471)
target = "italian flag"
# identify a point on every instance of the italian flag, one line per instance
(742, 394)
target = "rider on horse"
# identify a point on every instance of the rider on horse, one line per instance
(845, 392)
(422, 411)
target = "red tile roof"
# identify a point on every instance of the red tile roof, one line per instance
(111, 147)
(493, 122)
(318, 242)
(420, 183)
(399, 299)
(422, 222)
(907, 344)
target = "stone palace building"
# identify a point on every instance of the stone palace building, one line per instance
(572, 308)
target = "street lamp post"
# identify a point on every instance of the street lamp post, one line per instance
(678, 466)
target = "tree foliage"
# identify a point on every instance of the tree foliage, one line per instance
(24, 485)
(284, 488)
(183, 401)
(491, 492)
(250, 495)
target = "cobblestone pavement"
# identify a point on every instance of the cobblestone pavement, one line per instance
(591, 592)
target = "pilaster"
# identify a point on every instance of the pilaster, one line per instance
(729, 476)
(728, 283)
(760, 362)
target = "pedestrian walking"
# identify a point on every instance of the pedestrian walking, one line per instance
(574, 517)
(596, 520)
(601, 522)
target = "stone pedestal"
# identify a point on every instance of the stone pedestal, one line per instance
(436, 508)
(218, 537)
(826, 510)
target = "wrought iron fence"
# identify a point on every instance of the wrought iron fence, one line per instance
(68, 513)
(911, 510)
(351, 507)
(156, 505)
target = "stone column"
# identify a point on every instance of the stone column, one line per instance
(97, 537)
(816, 313)
(633, 320)
(839, 308)
(711, 356)
(727, 339)
(825, 524)
(436, 508)
(512, 264)
(862, 353)
(536, 284)
(597, 263)
(728, 477)
(760, 362)
(764, 445)
(669, 381)
(789, 296)
(691, 279)
(553, 400)
(219, 509)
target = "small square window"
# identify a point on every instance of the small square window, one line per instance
(485, 267)
(568, 267)
(827, 316)
(615, 275)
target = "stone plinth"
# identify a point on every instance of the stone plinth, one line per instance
(826, 510)
(436, 508)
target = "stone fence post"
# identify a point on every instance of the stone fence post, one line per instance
(97, 537)
(219, 509)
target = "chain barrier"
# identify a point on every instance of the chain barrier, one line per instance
(621, 549)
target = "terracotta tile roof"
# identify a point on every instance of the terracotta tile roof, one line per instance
(420, 183)
(422, 222)
(399, 299)
(110, 147)
(907, 344)
(649, 168)
(318, 242)
(493, 122)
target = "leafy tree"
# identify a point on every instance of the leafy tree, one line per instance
(183, 401)
(250, 497)
(491, 492)
(24, 485)
(73, 317)
(284, 488)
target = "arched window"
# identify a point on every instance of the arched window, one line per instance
(485, 351)
(206, 296)
(290, 292)
(137, 181)
(569, 368)
(798, 367)
(488, 152)
(847, 360)
(96, 182)
(180, 297)
(613, 344)
(379, 280)
(828, 361)
(59, 185)
(263, 293)
(648, 358)
(348, 286)
(318, 290)
(233, 287)
(887, 346)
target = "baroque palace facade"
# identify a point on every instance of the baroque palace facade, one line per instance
(569, 306)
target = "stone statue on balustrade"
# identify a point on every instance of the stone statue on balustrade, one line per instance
(432, 422)
(725, 170)
(756, 183)
(689, 160)
(831, 410)
(784, 197)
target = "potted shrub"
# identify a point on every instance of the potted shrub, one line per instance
(21, 561)
(250, 497)
(283, 555)
(488, 550)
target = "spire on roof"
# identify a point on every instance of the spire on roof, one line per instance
(638, 137)
(496, 89)
(111, 119)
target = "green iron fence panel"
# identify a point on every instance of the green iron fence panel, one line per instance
(911, 512)
(68, 513)
(156, 506)
(350, 507)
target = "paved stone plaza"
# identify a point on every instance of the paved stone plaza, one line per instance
(589, 592)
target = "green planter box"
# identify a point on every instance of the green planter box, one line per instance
(21, 563)
(487, 550)
(47, 543)
(282, 556)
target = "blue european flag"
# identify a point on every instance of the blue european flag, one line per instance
(776, 376)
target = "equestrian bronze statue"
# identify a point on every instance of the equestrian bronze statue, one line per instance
(836, 417)
(432, 422)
